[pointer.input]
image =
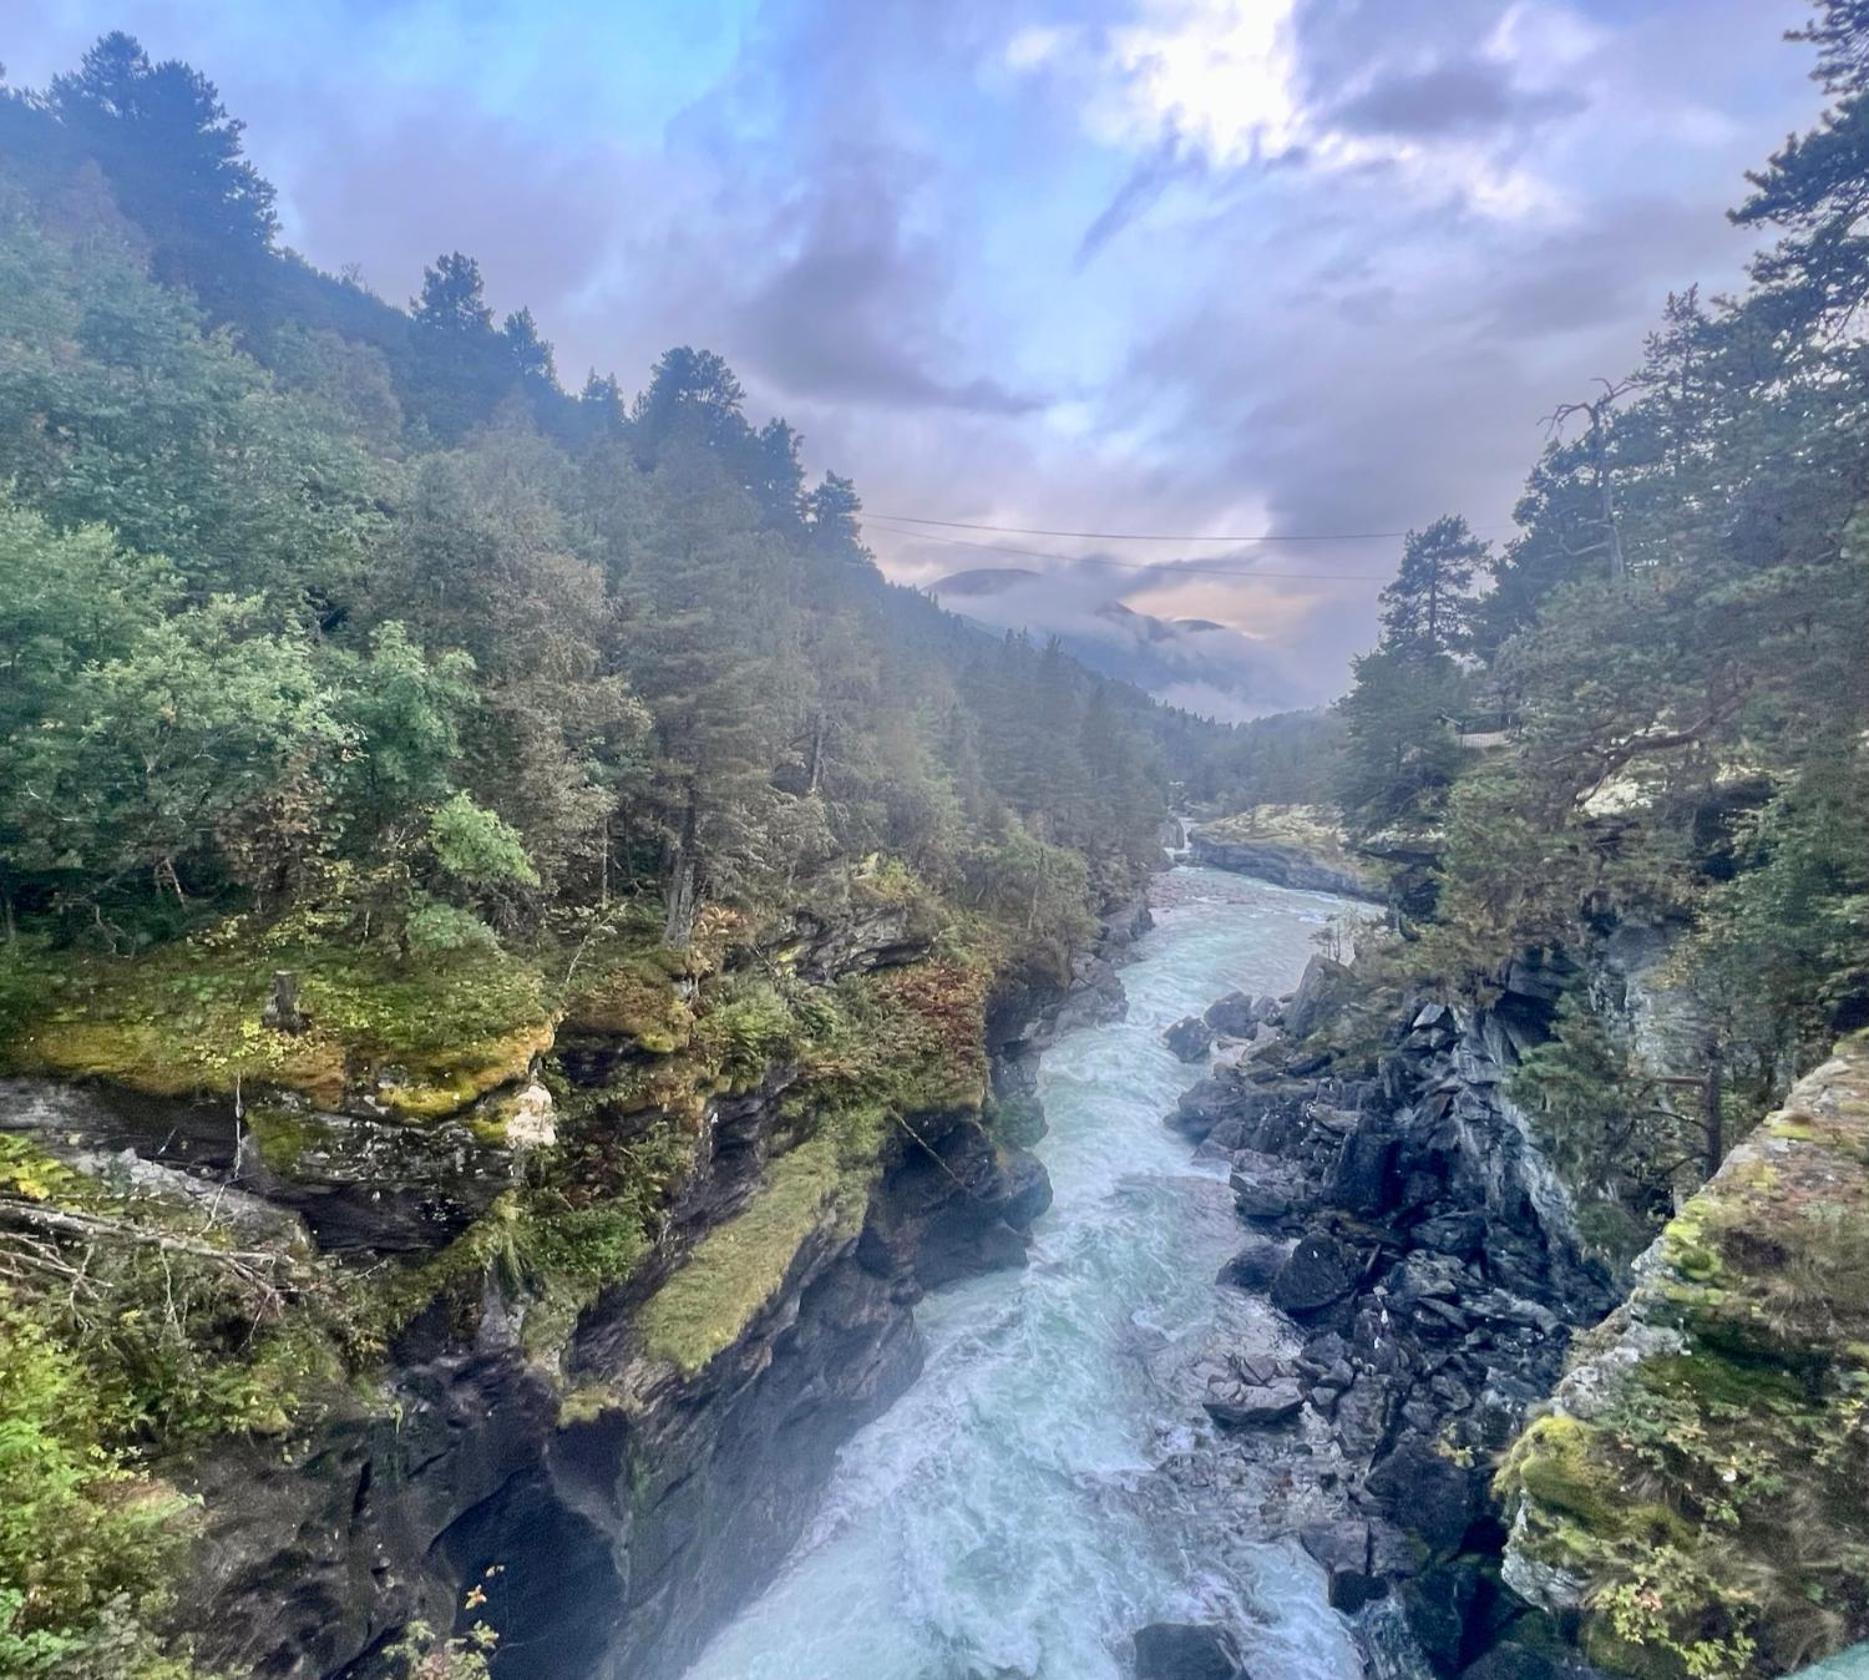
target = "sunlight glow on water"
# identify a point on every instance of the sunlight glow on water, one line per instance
(988, 1525)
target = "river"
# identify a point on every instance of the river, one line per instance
(1006, 1517)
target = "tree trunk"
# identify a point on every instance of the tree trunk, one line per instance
(1712, 1122)
(683, 881)
(282, 1012)
(1606, 502)
(816, 770)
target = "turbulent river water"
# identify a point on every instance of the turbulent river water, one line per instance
(1007, 1516)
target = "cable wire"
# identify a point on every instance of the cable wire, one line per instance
(1140, 536)
(1170, 568)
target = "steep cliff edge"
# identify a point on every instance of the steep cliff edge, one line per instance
(1696, 1497)
(570, 1358)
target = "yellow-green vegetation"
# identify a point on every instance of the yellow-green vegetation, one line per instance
(425, 1039)
(135, 1326)
(738, 1267)
(86, 1542)
(873, 1051)
(187, 1330)
(1704, 1479)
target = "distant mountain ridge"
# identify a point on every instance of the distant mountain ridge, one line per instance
(1195, 663)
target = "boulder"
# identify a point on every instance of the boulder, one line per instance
(1437, 1604)
(1364, 1180)
(1317, 1274)
(1323, 990)
(1202, 1107)
(1342, 1548)
(1426, 1493)
(1189, 1039)
(1187, 1651)
(1255, 1266)
(1234, 1015)
(1254, 1406)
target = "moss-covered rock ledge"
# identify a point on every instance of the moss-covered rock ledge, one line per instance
(1289, 845)
(1695, 1499)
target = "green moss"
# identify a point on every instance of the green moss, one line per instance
(738, 1267)
(1716, 1506)
(634, 997)
(186, 1018)
(586, 1403)
(283, 1135)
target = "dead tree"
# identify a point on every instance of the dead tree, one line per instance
(1598, 412)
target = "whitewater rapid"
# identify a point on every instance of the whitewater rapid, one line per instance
(1004, 1518)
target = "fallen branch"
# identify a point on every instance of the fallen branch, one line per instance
(254, 1268)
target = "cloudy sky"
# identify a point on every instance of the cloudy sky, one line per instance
(1201, 267)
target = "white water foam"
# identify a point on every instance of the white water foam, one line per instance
(991, 1524)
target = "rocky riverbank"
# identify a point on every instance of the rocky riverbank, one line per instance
(1426, 1279)
(1290, 846)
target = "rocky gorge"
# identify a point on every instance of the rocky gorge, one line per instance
(602, 1489)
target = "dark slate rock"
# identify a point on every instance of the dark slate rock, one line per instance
(1317, 1274)
(1323, 990)
(1437, 1604)
(1187, 1651)
(1247, 1406)
(1190, 1039)
(1255, 1266)
(1235, 1015)
(1343, 1549)
(1458, 1234)
(1364, 1181)
(1202, 1107)
(1425, 1493)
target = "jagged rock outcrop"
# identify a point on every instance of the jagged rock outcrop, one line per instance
(1190, 1040)
(618, 1491)
(1407, 1225)
(1695, 1498)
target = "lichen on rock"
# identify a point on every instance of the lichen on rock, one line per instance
(1698, 1490)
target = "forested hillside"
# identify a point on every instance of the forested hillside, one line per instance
(1648, 707)
(371, 707)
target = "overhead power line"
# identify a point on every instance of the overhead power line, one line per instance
(1142, 536)
(1169, 567)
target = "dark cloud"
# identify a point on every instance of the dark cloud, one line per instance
(1460, 96)
(850, 307)
(1169, 162)
(890, 231)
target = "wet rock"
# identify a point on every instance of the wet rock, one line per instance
(1238, 1014)
(1187, 1651)
(1317, 1274)
(1437, 1604)
(1425, 1492)
(1458, 1234)
(1364, 1182)
(1254, 1406)
(958, 1205)
(1190, 1039)
(1255, 1266)
(1283, 865)
(1343, 1550)
(1202, 1107)
(1324, 989)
